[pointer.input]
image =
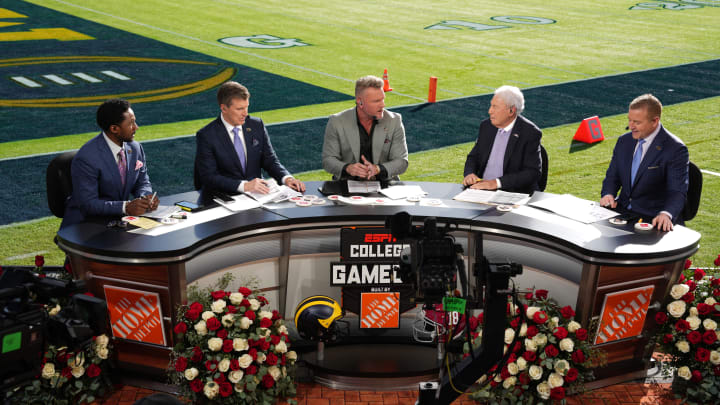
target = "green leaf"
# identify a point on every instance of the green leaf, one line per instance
(79, 384)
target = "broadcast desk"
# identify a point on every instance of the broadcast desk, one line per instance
(288, 250)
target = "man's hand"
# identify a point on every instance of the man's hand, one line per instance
(295, 184)
(153, 200)
(358, 170)
(137, 206)
(662, 222)
(257, 185)
(608, 201)
(470, 179)
(372, 169)
(485, 185)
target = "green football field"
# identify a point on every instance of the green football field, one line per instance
(471, 47)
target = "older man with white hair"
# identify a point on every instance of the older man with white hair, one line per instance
(506, 154)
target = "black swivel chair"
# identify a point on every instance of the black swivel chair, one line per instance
(59, 182)
(692, 202)
(196, 177)
(542, 183)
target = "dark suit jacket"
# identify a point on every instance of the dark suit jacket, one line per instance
(218, 164)
(522, 164)
(661, 182)
(97, 188)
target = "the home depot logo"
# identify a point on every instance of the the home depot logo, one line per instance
(135, 315)
(380, 310)
(623, 314)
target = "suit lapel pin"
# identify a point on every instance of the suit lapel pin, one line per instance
(248, 129)
(516, 135)
(658, 147)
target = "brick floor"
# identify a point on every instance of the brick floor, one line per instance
(314, 394)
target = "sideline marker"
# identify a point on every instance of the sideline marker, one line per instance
(432, 89)
(589, 131)
(386, 82)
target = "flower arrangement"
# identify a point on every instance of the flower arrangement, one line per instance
(688, 336)
(231, 350)
(550, 359)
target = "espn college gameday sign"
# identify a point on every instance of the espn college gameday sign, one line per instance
(135, 315)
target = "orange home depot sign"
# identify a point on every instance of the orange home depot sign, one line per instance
(623, 314)
(135, 315)
(379, 310)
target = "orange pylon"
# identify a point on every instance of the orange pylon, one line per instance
(386, 83)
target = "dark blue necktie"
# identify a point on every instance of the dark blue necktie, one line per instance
(637, 158)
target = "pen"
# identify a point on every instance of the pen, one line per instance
(153, 196)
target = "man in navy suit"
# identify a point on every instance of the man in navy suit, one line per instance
(659, 162)
(232, 149)
(110, 168)
(506, 154)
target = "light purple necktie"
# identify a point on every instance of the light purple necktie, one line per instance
(122, 166)
(494, 167)
(239, 146)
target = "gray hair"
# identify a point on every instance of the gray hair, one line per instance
(512, 97)
(366, 82)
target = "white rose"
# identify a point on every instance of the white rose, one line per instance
(54, 311)
(48, 370)
(509, 335)
(201, 328)
(191, 373)
(215, 344)
(678, 290)
(211, 389)
(78, 372)
(554, 322)
(265, 314)
(227, 320)
(676, 308)
(254, 304)
(715, 357)
(717, 333)
(531, 311)
(535, 372)
(281, 347)
(521, 363)
(513, 368)
(684, 372)
(544, 390)
(555, 380)
(235, 376)
(509, 382)
(530, 345)
(540, 340)
(218, 306)
(245, 322)
(102, 352)
(282, 329)
(482, 379)
(573, 326)
(261, 358)
(291, 355)
(275, 372)
(513, 308)
(561, 367)
(239, 387)
(101, 341)
(523, 330)
(567, 345)
(683, 346)
(710, 301)
(497, 378)
(693, 311)
(245, 360)
(236, 298)
(207, 315)
(694, 322)
(709, 324)
(77, 361)
(224, 365)
(240, 344)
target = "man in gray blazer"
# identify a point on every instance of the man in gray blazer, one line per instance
(365, 142)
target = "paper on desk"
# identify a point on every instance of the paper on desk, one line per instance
(363, 187)
(276, 194)
(575, 208)
(144, 223)
(162, 211)
(492, 197)
(193, 218)
(358, 200)
(240, 203)
(398, 192)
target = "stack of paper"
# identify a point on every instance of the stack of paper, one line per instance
(492, 197)
(572, 207)
(240, 203)
(397, 192)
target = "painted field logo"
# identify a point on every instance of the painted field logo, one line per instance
(135, 315)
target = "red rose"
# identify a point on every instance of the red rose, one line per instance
(541, 294)
(473, 323)
(694, 337)
(244, 291)
(211, 365)
(218, 295)
(688, 263)
(668, 338)
(250, 314)
(540, 317)
(661, 318)
(39, 261)
(481, 317)
(551, 351)
(511, 358)
(231, 309)
(560, 333)
(274, 339)
(524, 378)
(696, 376)
(572, 375)
(716, 370)
(271, 359)
(699, 274)
(265, 345)
(688, 298)
(93, 371)
(567, 312)
(234, 365)
(532, 330)
(253, 353)
(514, 323)
(581, 334)
(181, 364)
(192, 314)
(716, 292)
(251, 370)
(268, 381)
(220, 379)
(682, 325)
(578, 356)
(557, 393)
(196, 385)
(222, 334)
(283, 359)
(702, 354)
(197, 355)
(263, 300)
(682, 278)
(265, 323)
(494, 383)
(715, 281)
(213, 323)
(180, 328)
(529, 356)
(226, 389)
(709, 337)
(196, 306)
(691, 284)
(67, 373)
(717, 261)
(245, 303)
(276, 315)
(704, 309)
